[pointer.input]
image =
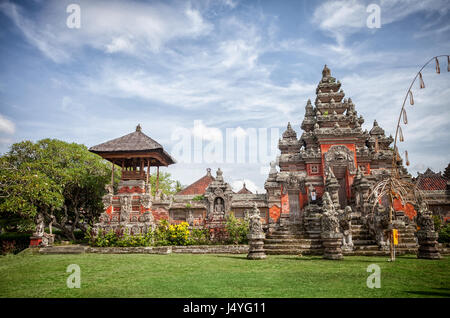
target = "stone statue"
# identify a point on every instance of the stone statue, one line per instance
(330, 230)
(109, 189)
(425, 218)
(219, 206)
(346, 229)
(378, 224)
(426, 235)
(330, 222)
(40, 226)
(255, 221)
(256, 235)
(125, 208)
(190, 218)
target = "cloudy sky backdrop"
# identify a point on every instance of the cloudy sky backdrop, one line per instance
(193, 69)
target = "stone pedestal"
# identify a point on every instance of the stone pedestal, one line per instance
(428, 245)
(44, 240)
(256, 246)
(332, 243)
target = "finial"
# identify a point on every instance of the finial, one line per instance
(375, 123)
(138, 127)
(326, 71)
(208, 172)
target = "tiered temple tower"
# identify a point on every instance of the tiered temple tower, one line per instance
(328, 154)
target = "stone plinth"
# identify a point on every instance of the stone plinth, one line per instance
(428, 245)
(332, 243)
(256, 246)
(44, 240)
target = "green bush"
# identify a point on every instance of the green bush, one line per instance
(13, 242)
(199, 237)
(237, 229)
(444, 234)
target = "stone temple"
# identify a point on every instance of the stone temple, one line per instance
(333, 164)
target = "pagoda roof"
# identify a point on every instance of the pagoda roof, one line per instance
(135, 142)
(199, 186)
(244, 190)
(431, 181)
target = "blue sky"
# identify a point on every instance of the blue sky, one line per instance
(219, 64)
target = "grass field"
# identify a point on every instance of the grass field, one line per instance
(227, 276)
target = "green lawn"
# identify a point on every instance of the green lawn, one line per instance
(184, 275)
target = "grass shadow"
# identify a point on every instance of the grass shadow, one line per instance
(444, 293)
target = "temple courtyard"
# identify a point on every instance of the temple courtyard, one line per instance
(222, 276)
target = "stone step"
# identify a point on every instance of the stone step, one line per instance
(366, 248)
(294, 252)
(291, 246)
(65, 249)
(364, 242)
(298, 241)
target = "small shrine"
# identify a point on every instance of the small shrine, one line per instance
(130, 207)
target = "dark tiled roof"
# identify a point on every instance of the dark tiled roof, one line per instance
(136, 141)
(431, 181)
(244, 190)
(199, 186)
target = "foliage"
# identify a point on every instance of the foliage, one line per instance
(8, 247)
(444, 234)
(167, 185)
(14, 242)
(172, 234)
(198, 198)
(56, 178)
(237, 229)
(437, 222)
(199, 237)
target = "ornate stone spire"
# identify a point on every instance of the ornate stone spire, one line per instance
(326, 71)
(289, 133)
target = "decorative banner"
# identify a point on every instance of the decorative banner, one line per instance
(395, 235)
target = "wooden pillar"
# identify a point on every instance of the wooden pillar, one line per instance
(112, 173)
(157, 178)
(148, 171)
(141, 172)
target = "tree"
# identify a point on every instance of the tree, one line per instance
(166, 184)
(63, 181)
(447, 172)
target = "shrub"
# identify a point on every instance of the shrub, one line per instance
(444, 234)
(237, 229)
(21, 241)
(199, 237)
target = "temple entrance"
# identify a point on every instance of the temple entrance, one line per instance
(294, 206)
(340, 174)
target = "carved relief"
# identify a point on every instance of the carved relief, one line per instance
(340, 155)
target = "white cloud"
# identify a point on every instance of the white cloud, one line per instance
(200, 130)
(342, 18)
(237, 185)
(130, 27)
(6, 125)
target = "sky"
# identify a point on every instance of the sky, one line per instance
(216, 82)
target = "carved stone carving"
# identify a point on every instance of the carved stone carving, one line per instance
(345, 219)
(426, 235)
(256, 235)
(340, 155)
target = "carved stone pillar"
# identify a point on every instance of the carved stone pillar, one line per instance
(256, 236)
